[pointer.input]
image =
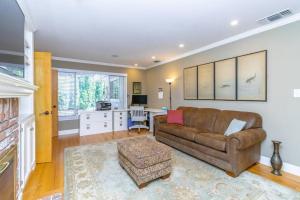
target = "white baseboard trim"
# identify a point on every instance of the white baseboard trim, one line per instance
(68, 132)
(287, 167)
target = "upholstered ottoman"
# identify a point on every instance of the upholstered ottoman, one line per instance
(144, 159)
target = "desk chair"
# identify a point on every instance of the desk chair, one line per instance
(138, 117)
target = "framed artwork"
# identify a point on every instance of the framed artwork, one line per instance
(137, 88)
(190, 83)
(252, 77)
(206, 81)
(225, 79)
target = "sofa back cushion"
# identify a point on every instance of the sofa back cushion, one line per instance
(201, 118)
(224, 118)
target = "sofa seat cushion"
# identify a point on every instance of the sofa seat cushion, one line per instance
(187, 133)
(212, 140)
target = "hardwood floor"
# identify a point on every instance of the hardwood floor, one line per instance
(48, 178)
(286, 179)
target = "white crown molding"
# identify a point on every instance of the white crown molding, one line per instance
(94, 62)
(286, 167)
(87, 71)
(75, 60)
(246, 34)
(28, 19)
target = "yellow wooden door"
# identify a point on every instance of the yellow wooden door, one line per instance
(54, 103)
(42, 105)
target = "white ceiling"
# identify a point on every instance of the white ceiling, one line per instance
(136, 30)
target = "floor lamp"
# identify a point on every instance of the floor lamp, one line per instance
(169, 81)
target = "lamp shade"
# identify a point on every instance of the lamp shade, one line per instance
(169, 80)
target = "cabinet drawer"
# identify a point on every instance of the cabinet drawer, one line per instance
(120, 126)
(120, 116)
(96, 116)
(95, 127)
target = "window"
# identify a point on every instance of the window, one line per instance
(79, 91)
(66, 94)
(12, 69)
(116, 90)
(90, 89)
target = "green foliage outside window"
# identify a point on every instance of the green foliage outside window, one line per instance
(82, 91)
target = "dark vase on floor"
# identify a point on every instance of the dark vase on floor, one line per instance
(276, 161)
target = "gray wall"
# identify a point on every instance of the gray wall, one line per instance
(133, 75)
(281, 114)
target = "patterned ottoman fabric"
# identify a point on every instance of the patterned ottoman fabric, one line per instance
(143, 152)
(144, 159)
(146, 171)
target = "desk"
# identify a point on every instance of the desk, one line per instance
(95, 122)
(151, 113)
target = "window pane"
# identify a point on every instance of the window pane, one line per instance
(117, 91)
(79, 91)
(12, 69)
(66, 94)
(90, 89)
(114, 87)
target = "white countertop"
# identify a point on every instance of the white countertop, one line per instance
(153, 110)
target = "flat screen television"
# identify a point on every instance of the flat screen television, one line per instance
(139, 99)
(12, 22)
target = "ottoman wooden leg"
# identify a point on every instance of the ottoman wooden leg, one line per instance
(142, 185)
(165, 176)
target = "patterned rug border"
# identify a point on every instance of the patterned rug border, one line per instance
(257, 178)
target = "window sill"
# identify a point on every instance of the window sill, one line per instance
(68, 118)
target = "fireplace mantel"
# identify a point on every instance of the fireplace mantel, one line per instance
(15, 87)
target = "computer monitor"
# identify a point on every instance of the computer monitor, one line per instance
(139, 99)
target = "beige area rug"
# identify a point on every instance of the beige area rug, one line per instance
(92, 172)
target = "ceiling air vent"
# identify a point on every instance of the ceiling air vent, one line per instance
(276, 16)
(156, 61)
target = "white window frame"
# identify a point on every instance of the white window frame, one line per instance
(95, 72)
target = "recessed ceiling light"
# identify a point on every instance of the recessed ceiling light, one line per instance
(234, 22)
(136, 65)
(153, 57)
(181, 45)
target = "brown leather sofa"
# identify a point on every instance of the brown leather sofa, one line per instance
(202, 136)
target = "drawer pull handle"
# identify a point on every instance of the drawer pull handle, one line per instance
(121, 113)
(121, 124)
(121, 118)
(88, 126)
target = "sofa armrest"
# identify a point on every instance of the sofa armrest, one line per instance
(248, 138)
(158, 119)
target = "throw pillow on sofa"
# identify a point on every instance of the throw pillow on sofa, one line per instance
(235, 126)
(175, 117)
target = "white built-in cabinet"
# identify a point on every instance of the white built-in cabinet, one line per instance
(95, 122)
(26, 149)
(120, 120)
